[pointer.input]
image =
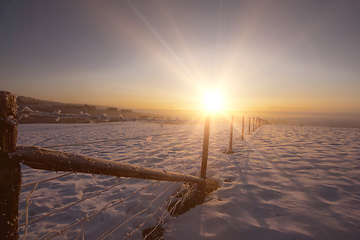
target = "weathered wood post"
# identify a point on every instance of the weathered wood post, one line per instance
(231, 136)
(10, 171)
(205, 147)
(253, 124)
(243, 125)
(249, 124)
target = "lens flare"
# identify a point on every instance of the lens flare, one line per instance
(213, 101)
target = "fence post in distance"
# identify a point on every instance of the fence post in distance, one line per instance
(253, 124)
(243, 125)
(231, 136)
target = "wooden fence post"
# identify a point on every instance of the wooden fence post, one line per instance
(205, 147)
(249, 124)
(231, 135)
(253, 124)
(10, 171)
(243, 125)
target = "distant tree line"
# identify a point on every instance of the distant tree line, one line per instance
(34, 101)
(117, 110)
(80, 106)
(89, 106)
(31, 101)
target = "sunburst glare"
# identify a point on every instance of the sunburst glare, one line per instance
(213, 101)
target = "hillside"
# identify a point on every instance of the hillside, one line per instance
(51, 106)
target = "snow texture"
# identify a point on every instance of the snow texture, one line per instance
(282, 182)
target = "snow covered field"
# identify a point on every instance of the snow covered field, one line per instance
(282, 182)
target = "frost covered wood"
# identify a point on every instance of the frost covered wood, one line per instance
(10, 171)
(8, 125)
(45, 159)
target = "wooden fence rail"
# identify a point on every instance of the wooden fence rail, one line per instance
(52, 160)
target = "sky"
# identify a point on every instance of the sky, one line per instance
(301, 56)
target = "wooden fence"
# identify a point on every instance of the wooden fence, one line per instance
(45, 159)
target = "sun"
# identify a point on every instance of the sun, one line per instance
(213, 101)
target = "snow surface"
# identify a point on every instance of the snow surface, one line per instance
(282, 182)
